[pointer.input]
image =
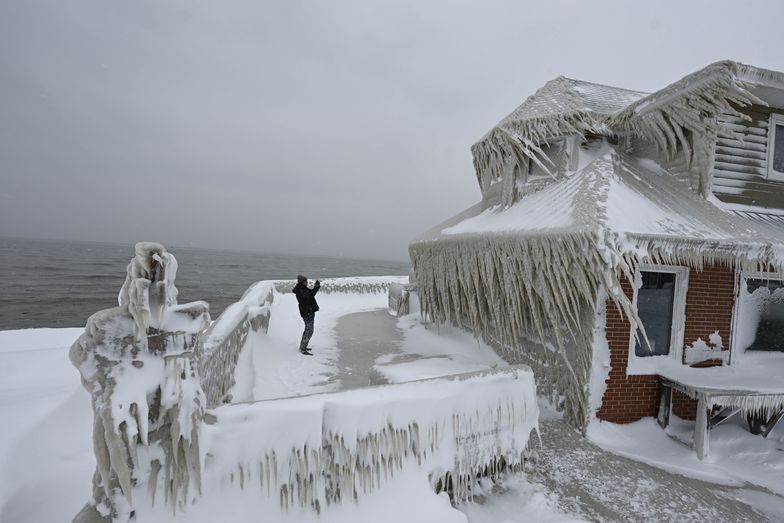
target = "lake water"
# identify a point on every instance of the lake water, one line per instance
(60, 284)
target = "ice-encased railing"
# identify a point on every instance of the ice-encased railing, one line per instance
(314, 451)
(228, 335)
(351, 285)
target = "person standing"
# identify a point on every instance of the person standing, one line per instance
(308, 307)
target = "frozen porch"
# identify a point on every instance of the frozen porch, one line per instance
(740, 381)
(751, 388)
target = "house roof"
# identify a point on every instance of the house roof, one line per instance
(635, 201)
(563, 97)
(564, 107)
(732, 81)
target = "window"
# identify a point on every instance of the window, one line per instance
(760, 313)
(655, 304)
(776, 147)
(660, 299)
(551, 160)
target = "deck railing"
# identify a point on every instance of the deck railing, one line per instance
(314, 451)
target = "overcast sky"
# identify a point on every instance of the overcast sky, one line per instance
(330, 128)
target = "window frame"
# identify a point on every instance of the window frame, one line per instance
(646, 365)
(774, 120)
(735, 351)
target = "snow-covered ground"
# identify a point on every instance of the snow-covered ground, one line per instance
(279, 370)
(47, 459)
(409, 350)
(46, 451)
(737, 457)
(46, 441)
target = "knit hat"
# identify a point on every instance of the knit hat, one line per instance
(301, 279)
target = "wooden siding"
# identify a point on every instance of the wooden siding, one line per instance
(741, 161)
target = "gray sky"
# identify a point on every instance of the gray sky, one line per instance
(334, 128)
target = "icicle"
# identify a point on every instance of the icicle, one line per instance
(692, 106)
(479, 423)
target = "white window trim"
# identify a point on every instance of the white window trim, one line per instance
(639, 365)
(735, 352)
(775, 119)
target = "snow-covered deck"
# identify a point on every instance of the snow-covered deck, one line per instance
(759, 373)
(752, 385)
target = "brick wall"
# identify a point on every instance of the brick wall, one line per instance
(709, 302)
(683, 406)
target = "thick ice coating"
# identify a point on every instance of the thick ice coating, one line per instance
(136, 361)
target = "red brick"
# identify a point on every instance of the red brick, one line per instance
(709, 304)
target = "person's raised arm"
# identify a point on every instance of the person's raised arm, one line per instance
(316, 287)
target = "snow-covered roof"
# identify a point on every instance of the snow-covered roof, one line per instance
(711, 90)
(634, 200)
(565, 96)
(563, 106)
(669, 117)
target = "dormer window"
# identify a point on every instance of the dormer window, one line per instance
(776, 147)
(536, 171)
(551, 160)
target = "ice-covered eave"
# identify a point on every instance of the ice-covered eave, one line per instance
(699, 252)
(760, 77)
(505, 146)
(510, 286)
(715, 85)
(685, 115)
(506, 235)
(719, 249)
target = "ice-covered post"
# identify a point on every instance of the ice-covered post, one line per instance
(137, 362)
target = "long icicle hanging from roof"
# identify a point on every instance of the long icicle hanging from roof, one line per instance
(519, 289)
(517, 139)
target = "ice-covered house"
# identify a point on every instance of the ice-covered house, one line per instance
(604, 209)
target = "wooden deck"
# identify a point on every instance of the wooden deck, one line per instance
(728, 401)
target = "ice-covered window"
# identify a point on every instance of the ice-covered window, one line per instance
(760, 321)
(660, 300)
(655, 306)
(776, 147)
(550, 162)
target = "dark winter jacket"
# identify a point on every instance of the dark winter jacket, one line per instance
(306, 298)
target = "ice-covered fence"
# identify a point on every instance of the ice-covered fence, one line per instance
(227, 336)
(318, 450)
(355, 285)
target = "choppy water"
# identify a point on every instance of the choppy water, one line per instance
(60, 284)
